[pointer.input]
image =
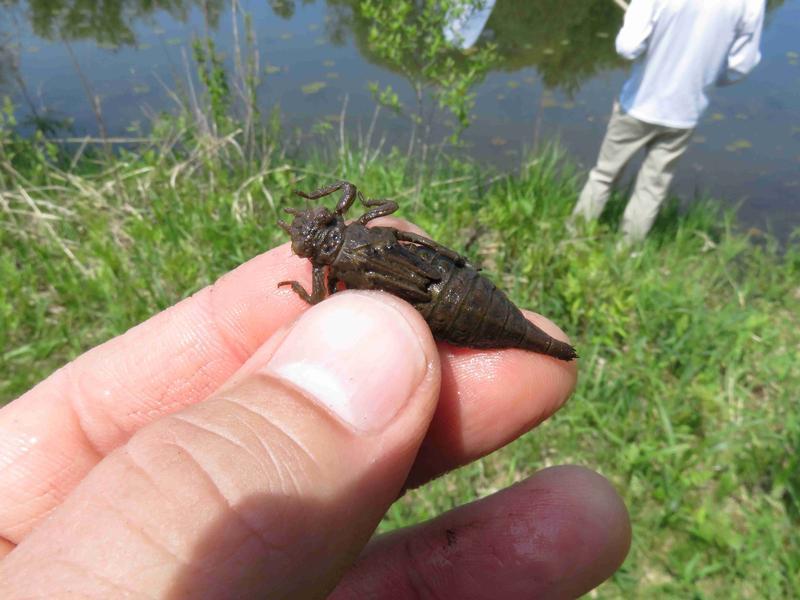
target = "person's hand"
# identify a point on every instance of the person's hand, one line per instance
(242, 444)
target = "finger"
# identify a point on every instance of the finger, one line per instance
(397, 223)
(556, 535)
(489, 398)
(53, 435)
(270, 488)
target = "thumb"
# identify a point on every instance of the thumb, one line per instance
(270, 488)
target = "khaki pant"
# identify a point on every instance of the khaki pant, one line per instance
(624, 137)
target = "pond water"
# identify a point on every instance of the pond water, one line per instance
(557, 78)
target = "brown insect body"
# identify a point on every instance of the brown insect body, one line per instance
(460, 305)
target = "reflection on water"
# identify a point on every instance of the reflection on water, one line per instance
(108, 22)
(567, 41)
(556, 76)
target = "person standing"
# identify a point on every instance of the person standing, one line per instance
(682, 49)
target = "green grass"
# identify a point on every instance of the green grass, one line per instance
(687, 399)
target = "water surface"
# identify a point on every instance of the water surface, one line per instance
(557, 78)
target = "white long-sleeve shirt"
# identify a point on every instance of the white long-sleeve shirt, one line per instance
(683, 48)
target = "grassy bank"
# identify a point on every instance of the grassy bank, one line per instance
(689, 375)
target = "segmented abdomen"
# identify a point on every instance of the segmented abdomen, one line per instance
(467, 309)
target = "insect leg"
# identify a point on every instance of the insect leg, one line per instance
(348, 194)
(414, 238)
(285, 226)
(323, 191)
(298, 289)
(317, 287)
(382, 208)
(318, 284)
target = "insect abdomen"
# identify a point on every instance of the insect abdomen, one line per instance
(467, 309)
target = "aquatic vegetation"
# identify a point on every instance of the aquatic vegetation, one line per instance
(313, 87)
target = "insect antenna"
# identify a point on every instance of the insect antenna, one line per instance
(292, 211)
(285, 226)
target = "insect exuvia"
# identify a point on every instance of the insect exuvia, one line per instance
(460, 305)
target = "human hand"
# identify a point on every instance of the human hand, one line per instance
(241, 444)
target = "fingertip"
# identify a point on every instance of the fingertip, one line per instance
(558, 534)
(547, 325)
(586, 527)
(362, 355)
(491, 397)
(601, 509)
(566, 528)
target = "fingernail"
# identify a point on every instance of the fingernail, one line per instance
(357, 356)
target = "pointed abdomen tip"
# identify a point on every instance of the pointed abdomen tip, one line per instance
(563, 351)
